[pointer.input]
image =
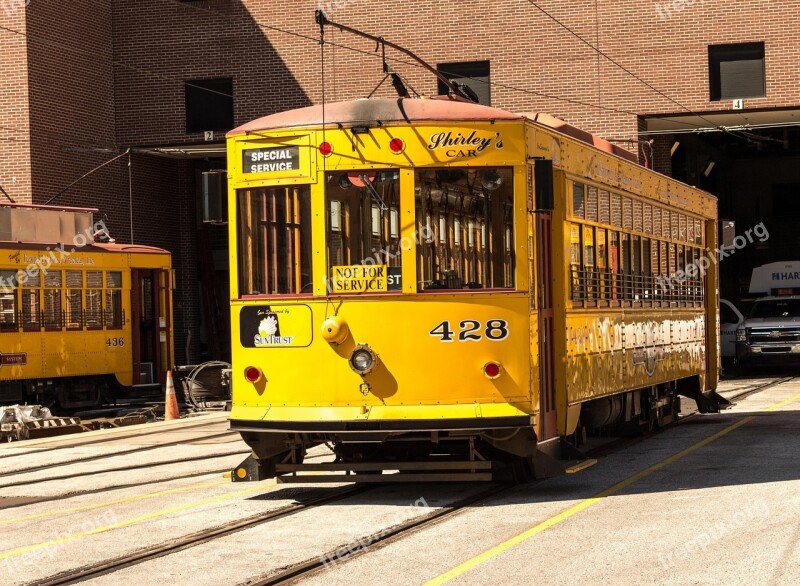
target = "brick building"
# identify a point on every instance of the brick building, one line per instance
(713, 84)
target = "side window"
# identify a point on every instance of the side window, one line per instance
(575, 260)
(578, 201)
(274, 241)
(113, 317)
(31, 298)
(51, 313)
(74, 300)
(94, 300)
(8, 301)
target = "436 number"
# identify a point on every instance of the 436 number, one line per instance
(471, 330)
(115, 342)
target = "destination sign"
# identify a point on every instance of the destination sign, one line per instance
(359, 279)
(271, 159)
(13, 359)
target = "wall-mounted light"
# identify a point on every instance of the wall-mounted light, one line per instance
(709, 167)
(674, 148)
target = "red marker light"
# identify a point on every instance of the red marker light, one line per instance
(325, 149)
(491, 369)
(253, 374)
(396, 145)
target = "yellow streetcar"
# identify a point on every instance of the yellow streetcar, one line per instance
(436, 287)
(81, 317)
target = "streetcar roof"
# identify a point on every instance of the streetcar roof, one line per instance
(371, 111)
(388, 110)
(89, 247)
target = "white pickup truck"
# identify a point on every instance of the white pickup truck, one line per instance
(730, 318)
(771, 331)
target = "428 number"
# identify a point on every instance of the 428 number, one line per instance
(471, 330)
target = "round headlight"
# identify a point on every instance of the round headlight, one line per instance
(363, 359)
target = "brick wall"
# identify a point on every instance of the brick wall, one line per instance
(71, 84)
(170, 42)
(96, 77)
(15, 175)
(110, 75)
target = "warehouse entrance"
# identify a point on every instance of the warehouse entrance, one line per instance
(751, 162)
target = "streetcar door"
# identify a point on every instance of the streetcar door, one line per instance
(543, 175)
(150, 325)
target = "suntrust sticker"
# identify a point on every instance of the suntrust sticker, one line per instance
(275, 326)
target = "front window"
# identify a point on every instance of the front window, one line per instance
(363, 231)
(274, 228)
(776, 308)
(465, 223)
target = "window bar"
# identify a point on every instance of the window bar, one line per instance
(298, 286)
(272, 265)
(248, 244)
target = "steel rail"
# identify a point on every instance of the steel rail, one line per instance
(304, 569)
(110, 438)
(124, 468)
(348, 551)
(112, 455)
(200, 537)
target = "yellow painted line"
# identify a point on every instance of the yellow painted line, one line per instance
(585, 504)
(119, 501)
(582, 466)
(781, 404)
(57, 542)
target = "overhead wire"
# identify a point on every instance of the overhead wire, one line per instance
(267, 27)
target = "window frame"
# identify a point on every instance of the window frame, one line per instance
(194, 119)
(302, 228)
(733, 53)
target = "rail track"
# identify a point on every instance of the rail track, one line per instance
(105, 439)
(176, 545)
(303, 569)
(123, 469)
(112, 455)
(295, 572)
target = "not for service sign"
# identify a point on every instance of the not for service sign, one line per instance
(359, 279)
